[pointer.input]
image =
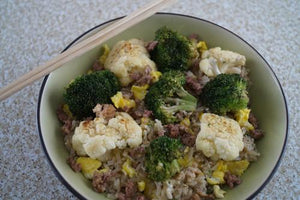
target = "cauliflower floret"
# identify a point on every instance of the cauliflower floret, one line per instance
(127, 57)
(219, 137)
(96, 138)
(217, 61)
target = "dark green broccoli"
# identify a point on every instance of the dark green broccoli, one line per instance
(225, 93)
(83, 94)
(167, 96)
(161, 158)
(173, 51)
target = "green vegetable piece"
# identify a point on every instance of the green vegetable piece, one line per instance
(83, 94)
(167, 96)
(173, 51)
(161, 158)
(225, 93)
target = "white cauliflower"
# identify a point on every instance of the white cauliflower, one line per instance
(216, 61)
(127, 57)
(219, 137)
(96, 138)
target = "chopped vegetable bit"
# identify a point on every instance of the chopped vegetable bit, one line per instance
(155, 75)
(121, 102)
(127, 169)
(202, 46)
(88, 166)
(141, 186)
(66, 109)
(106, 51)
(218, 192)
(186, 122)
(242, 117)
(139, 92)
(234, 167)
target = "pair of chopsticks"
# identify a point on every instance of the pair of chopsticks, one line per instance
(84, 46)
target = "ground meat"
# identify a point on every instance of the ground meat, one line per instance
(100, 181)
(97, 66)
(147, 113)
(194, 36)
(195, 68)
(188, 139)
(62, 116)
(180, 131)
(253, 120)
(142, 78)
(232, 180)
(121, 196)
(195, 197)
(256, 134)
(151, 45)
(141, 197)
(194, 85)
(130, 189)
(67, 127)
(126, 92)
(106, 111)
(174, 130)
(72, 162)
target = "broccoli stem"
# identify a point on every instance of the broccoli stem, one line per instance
(180, 104)
(181, 92)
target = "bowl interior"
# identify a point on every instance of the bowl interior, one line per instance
(267, 102)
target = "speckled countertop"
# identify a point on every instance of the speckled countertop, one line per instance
(32, 32)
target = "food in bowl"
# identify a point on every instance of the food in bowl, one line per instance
(165, 119)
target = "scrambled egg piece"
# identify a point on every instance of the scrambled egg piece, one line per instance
(139, 92)
(155, 75)
(234, 167)
(97, 137)
(127, 57)
(216, 61)
(201, 45)
(106, 51)
(88, 166)
(128, 169)
(66, 109)
(141, 186)
(218, 192)
(242, 117)
(120, 102)
(219, 137)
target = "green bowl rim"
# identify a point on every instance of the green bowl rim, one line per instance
(74, 191)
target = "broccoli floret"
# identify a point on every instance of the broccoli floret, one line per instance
(173, 51)
(161, 158)
(83, 94)
(167, 96)
(225, 93)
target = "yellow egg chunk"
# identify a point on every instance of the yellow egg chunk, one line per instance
(242, 117)
(66, 109)
(88, 166)
(202, 46)
(139, 92)
(155, 75)
(237, 167)
(127, 169)
(120, 102)
(141, 186)
(106, 51)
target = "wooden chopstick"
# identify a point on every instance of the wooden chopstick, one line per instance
(84, 46)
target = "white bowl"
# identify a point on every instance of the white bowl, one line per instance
(267, 102)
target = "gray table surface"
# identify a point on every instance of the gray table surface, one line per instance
(32, 32)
